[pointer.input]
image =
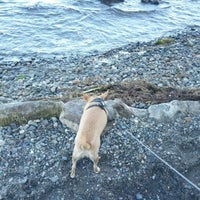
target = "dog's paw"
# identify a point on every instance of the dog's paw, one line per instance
(96, 169)
(72, 174)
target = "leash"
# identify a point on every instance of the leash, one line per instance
(165, 162)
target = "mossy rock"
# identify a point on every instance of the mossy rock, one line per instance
(164, 41)
(21, 77)
(22, 112)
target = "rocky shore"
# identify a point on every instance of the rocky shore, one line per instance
(35, 158)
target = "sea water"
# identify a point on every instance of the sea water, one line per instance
(63, 27)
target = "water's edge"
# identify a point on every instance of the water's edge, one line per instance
(60, 28)
(11, 59)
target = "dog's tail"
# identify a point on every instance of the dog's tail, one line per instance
(85, 146)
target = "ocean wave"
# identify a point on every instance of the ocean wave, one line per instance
(54, 8)
(130, 10)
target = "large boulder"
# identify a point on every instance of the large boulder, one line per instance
(22, 112)
(168, 111)
(72, 111)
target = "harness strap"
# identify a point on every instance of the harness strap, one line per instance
(100, 104)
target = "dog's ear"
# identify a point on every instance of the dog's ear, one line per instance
(86, 97)
(104, 95)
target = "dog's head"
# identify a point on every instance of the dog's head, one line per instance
(89, 98)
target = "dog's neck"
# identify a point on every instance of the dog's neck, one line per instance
(99, 103)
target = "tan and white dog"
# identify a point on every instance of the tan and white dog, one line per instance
(92, 124)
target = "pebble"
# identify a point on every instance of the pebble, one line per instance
(2, 142)
(54, 179)
(139, 196)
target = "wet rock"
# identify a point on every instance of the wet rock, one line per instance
(156, 2)
(109, 2)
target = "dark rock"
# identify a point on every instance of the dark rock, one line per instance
(156, 2)
(109, 2)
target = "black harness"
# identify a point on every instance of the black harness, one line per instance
(100, 104)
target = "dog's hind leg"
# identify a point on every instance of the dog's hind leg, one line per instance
(95, 164)
(74, 160)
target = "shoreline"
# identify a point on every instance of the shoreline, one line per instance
(35, 158)
(70, 56)
(171, 64)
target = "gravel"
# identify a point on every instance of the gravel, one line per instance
(175, 64)
(36, 157)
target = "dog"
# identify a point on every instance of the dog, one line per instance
(92, 123)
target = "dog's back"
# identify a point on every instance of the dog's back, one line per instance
(92, 123)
